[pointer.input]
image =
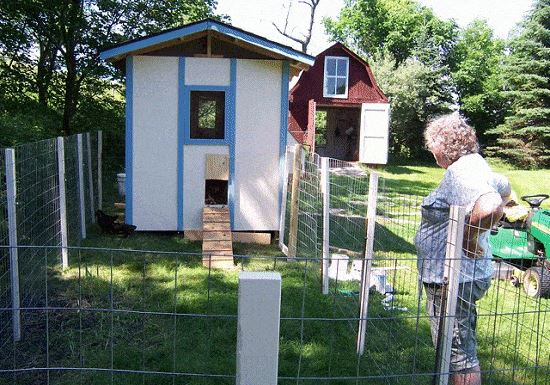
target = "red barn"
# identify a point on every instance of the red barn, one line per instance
(337, 108)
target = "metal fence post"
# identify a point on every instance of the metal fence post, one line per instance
(295, 201)
(325, 189)
(90, 177)
(99, 170)
(11, 192)
(367, 262)
(453, 255)
(259, 312)
(82, 202)
(62, 201)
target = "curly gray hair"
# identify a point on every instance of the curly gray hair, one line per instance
(452, 136)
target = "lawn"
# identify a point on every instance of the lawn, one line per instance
(170, 320)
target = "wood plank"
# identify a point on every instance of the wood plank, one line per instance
(209, 246)
(216, 217)
(215, 210)
(257, 238)
(216, 236)
(217, 166)
(218, 252)
(220, 262)
(217, 226)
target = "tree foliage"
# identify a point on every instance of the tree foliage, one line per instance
(50, 50)
(410, 49)
(524, 138)
(400, 28)
(416, 95)
(475, 69)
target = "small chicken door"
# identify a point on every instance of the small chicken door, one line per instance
(373, 145)
(216, 179)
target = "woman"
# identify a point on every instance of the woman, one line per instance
(468, 182)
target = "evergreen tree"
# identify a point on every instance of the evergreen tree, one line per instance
(524, 138)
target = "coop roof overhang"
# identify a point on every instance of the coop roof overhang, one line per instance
(298, 60)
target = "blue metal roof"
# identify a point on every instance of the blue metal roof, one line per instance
(128, 47)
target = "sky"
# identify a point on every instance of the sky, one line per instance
(258, 16)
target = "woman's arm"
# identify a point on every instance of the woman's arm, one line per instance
(487, 211)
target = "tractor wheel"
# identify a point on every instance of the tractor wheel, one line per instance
(536, 282)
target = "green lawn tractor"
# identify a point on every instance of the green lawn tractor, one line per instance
(524, 245)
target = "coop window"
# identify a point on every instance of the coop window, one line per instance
(215, 192)
(207, 114)
(336, 77)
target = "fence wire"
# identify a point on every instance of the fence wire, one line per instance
(127, 316)
(513, 328)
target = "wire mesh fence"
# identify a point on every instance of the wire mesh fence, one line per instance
(397, 301)
(30, 189)
(128, 316)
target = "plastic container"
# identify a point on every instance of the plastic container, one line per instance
(121, 178)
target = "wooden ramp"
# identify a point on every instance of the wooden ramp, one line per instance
(217, 245)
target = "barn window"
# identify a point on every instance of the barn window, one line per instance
(207, 114)
(336, 77)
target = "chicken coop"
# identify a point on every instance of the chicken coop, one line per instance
(206, 125)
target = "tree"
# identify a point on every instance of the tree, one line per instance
(409, 48)
(306, 37)
(476, 64)
(400, 28)
(524, 137)
(69, 34)
(415, 93)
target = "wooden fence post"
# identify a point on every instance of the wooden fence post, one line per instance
(82, 201)
(11, 192)
(367, 262)
(295, 201)
(100, 170)
(282, 214)
(453, 255)
(62, 202)
(325, 189)
(90, 177)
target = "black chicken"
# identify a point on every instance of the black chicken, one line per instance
(109, 224)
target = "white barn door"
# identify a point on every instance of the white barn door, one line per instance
(373, 145)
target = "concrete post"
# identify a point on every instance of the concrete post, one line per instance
(259, 310)
(62, 202)
(325, 188)
(367, 262)
(11, 192)
(81, 200)
(90, 177)
(100, 170)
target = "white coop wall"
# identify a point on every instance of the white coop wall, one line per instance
(194, 171)
(258, 117)
(155, 128)
(207, 71)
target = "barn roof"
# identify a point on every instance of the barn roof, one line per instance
(201, 28)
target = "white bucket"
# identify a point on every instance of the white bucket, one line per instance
(121, 184)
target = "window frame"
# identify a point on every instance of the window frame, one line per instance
(186, 109)
(336, 77)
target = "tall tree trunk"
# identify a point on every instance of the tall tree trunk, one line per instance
(71, 92)
(46, 67)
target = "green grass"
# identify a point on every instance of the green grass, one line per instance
(149, 287)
